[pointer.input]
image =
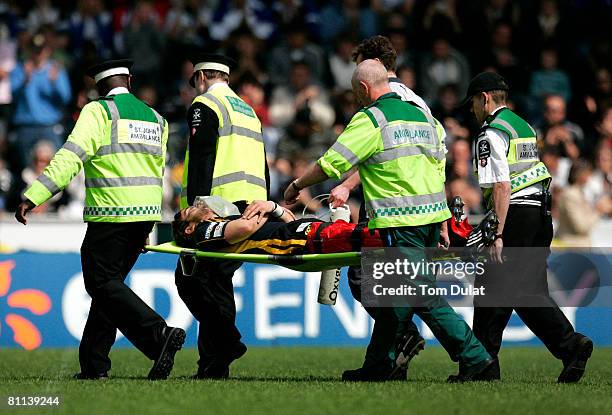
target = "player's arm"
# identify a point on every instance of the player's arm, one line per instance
(214, 235)
(238, 230)
(261, 208)
(82, 143)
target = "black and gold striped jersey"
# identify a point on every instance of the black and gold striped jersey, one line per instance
(277, 238)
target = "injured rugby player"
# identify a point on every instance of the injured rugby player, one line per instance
(266, 228)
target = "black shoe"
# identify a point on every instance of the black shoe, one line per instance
(398, 373)
(409, 346)
(573, 368)
(174, 338)
(219, 367)
(486, 371)
(90, 376)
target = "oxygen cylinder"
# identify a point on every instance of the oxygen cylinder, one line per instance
(330, 279)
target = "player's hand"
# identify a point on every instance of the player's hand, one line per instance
(22, 211)
(495, 251)
(291, 194)
(339, 195)
(258, 208)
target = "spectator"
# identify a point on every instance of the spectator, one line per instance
(559, 170)
(441, 19)
(604, 127)
(472, 198)
(446, 102)
(297, 49)
(59, 43)
(6, 184)
(515, 34)
(143, 41)
(549, 80)
(174, 107)
(345, 108)
(398, 39)
(455, 130)
(400, 14)
(443, 65)
(252, 92)
(8, 57)
(479, 21)
(347, 16)
(407, 76)
(445, 108)
(557, 131)
(288, 11)
(550, 23)
(462, 181)
(498, 10)
(302, 93)
(42, 14)
(247, 52)
(232, 14)
(577, 218)
(600, 93)
(184, 22)
(304, 139)
(341, 64)
(91, 23)
(504, 58)
(148, 95)
(600, 183)
(41, 90)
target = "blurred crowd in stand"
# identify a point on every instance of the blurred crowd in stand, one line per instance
(294, 68)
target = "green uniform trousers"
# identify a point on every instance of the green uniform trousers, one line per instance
(449, 328)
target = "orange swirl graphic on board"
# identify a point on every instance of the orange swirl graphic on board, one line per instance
(36, 302)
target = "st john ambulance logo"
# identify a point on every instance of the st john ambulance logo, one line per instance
(484, 152)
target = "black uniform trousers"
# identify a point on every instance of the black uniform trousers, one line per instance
(108, 253)
(380, 343)
(209, 295)
(520, 284)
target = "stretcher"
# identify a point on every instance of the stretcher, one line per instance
(307, 262)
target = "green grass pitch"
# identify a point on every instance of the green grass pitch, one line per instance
(306, 381)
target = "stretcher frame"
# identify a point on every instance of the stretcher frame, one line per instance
(190, 258)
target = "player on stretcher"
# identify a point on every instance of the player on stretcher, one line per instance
(267, 228)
